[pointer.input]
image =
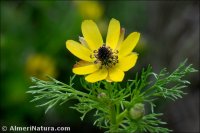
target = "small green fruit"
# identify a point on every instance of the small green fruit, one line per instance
(137, 111)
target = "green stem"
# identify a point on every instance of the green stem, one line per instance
(121, 116)
(71, 89)
(148, 90)
(113, 123)
(113, 110)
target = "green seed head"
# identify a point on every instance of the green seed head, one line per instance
(137, 111)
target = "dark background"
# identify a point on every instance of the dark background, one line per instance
(33, 36)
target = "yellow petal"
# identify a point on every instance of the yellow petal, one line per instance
(83, 42)
(129, 44)
(116, 74)
(83, 68)
(127, 62)
(108, 79)
(113, 33)
(79, 50)
(91, 34)
(121, 37)
(100, 74)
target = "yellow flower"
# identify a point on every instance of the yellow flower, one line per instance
(90, 9)
(40, 66)
(101, 60)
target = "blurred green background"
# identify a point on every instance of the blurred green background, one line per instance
(33, 36)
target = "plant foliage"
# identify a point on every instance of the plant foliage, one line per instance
(115, 104)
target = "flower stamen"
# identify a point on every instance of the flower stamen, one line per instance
(105, 56)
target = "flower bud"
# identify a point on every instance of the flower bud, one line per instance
(137, 111)
(101, 95)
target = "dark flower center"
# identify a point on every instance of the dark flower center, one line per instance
(106, 56)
